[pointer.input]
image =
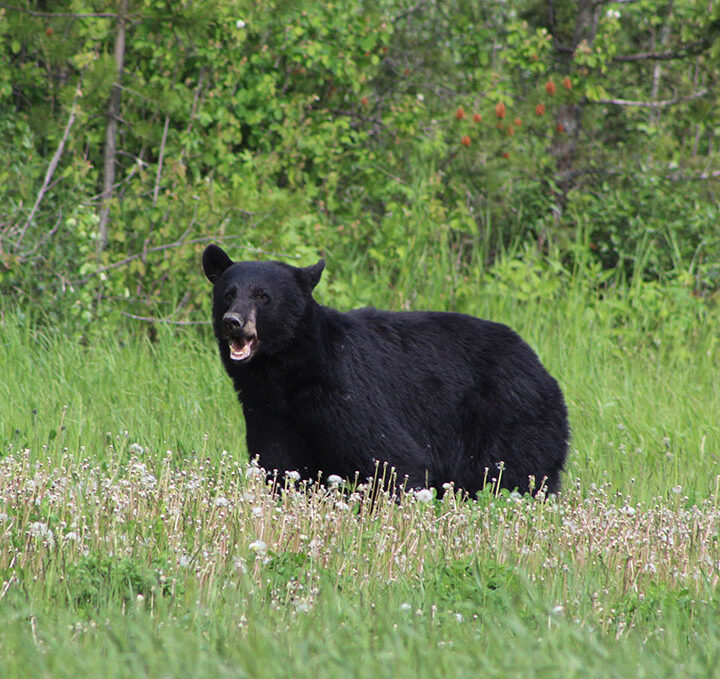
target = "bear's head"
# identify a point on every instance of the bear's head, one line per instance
(258, 307)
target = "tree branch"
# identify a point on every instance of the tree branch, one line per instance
(160, 161)
(59, 15)
(653, 104)
(149, 319)
(50, 171)
(111, 129)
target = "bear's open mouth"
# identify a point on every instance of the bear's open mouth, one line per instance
(241, 350)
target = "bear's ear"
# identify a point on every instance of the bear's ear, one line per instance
(215, 261)
(310, 275)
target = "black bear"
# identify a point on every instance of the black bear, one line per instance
(441, 397)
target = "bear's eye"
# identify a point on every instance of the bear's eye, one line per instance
(229, 296)
(261, 296)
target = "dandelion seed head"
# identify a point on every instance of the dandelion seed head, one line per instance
(425, 495)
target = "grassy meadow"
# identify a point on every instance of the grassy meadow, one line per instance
(136, 540)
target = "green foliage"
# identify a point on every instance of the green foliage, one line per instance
(391, 139)
(92, 579)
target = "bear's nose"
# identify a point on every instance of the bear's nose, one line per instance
(233, 322)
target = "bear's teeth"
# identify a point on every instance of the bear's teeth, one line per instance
(239, 352)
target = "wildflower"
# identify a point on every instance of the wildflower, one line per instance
(258, 547)
(334, 480)
(517, 122)
(292, 476)
(240, 24)
(465, 141)
(477, 118)
(560, 128)
(405, 606)
(221, 501)
(567, 83)
(136, 449)
(424, 495)
(540, 110)
(460, 113)
(42, 531)
(550, 87)
(500, 110)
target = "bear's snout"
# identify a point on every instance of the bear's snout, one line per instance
(235, 325)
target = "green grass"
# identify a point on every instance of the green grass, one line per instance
(130, 528)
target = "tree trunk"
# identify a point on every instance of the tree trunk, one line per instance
(113, 114)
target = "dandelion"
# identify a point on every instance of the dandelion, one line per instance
(405, 607)
(258, 547)
(136, 449)
(334, 480)
(221, 501)
(425, 495)
(459, 617)
(292, 476)
(240, 24)
(41, 531)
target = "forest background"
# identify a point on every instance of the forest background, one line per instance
(415, 145)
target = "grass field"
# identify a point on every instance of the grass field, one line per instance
(136, 541)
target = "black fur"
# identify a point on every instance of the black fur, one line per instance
(439, 396)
